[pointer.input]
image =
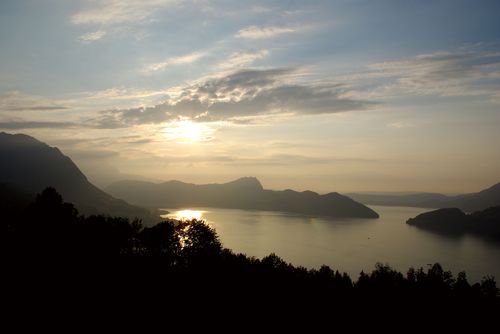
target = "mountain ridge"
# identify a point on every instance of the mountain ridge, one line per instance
(242, 193)
(470, 202)
(31, 165)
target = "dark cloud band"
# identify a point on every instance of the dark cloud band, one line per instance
(239, 95)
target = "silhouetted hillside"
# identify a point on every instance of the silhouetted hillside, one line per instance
(29, 166)
(477, 201)
(52, 255)
(245, 193)
(467, 202)
(12, 198)
(484, 223)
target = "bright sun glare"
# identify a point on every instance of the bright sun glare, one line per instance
(188, 132)
(188, 214)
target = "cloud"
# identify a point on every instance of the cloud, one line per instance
(21, 111)
(242, 59)
(464, 72)
(237, 97)
(255, 32)
(16, 125)
(401, 125)
(121, 93)
(16, 101)
(112, 12)
(140, 141)
(34, 107)
(180, 60)
(92, 36)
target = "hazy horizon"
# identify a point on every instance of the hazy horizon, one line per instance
(344, 96)
(103, 183)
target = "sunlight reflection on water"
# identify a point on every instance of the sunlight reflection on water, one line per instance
(185, 214)
(349, 245)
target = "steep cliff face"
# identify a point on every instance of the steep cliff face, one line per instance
(31, 166)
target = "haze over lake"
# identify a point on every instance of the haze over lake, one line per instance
(349, 245)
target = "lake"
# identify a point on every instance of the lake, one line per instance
(349, 245)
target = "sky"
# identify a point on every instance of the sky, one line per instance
(335, 95)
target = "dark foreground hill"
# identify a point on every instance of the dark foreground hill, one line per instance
(245, 193)
(453, 221)
(467, 202)
(29, 166)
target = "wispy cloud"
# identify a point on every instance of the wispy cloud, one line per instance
(463, 72)
(92, 36)
(17, 101)
(401, 125)
(21, 111)
(255, 32)
(18, 125)
(179, 60)
(242, 59)
(122, 93)
(109, 12)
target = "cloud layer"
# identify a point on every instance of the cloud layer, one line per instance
(16, 101)
(465, 72)
(18, 125)
(238, 97)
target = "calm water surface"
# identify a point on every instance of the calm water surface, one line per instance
(349, 245)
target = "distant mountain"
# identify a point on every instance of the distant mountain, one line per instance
(245, 193)
(422, 200)
(467, 202)
(485, 223)
(29, 166)
(477, 201)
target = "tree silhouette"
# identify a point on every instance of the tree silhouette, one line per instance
(489, 287)
(47, 225)
(199, 242)
(161, 240)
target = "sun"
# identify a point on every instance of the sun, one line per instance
(188, 132)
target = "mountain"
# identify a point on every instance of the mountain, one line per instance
(420, 200)
(467, 202)
(29, 166)
(244, 193)
(453, 221)
(477, 201)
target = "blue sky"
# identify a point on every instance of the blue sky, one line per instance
(322, 95)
